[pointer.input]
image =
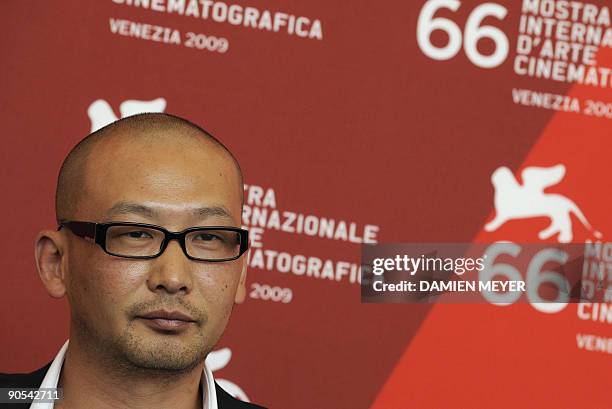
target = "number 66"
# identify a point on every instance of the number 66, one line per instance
(473, 33)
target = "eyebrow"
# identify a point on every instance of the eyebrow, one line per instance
(137, 208)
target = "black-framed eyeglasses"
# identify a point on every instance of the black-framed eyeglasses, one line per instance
(146, 241)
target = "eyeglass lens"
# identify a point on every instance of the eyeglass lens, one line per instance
(142, 241)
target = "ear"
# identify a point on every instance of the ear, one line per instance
(241, 290)
(49, 251)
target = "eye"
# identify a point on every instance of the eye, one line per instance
(207, 237)
(137, 234)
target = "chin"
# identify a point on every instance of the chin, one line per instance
(165, 352)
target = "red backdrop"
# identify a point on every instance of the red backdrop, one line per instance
(353, 112)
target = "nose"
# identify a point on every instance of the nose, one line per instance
(171, 271)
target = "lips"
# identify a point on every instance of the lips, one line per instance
(162, 320)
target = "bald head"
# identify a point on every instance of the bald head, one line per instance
(134, 132)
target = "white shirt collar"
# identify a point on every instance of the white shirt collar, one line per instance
(209, 394)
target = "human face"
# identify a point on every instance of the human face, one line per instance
(122, 306)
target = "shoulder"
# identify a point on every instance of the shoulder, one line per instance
(227, 401)
(24, 380)
(34, 379)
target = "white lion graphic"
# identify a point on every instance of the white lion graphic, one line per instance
(101, 114)
(515, 201)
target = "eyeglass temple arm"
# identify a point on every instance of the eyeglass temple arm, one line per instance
(81, 229)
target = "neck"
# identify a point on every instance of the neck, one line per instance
(94, 382)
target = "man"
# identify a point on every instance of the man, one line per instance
(150, 284)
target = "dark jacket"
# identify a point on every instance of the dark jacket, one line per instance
(34, 379)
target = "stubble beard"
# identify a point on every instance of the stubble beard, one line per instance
(140, 349)
(160, 352)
